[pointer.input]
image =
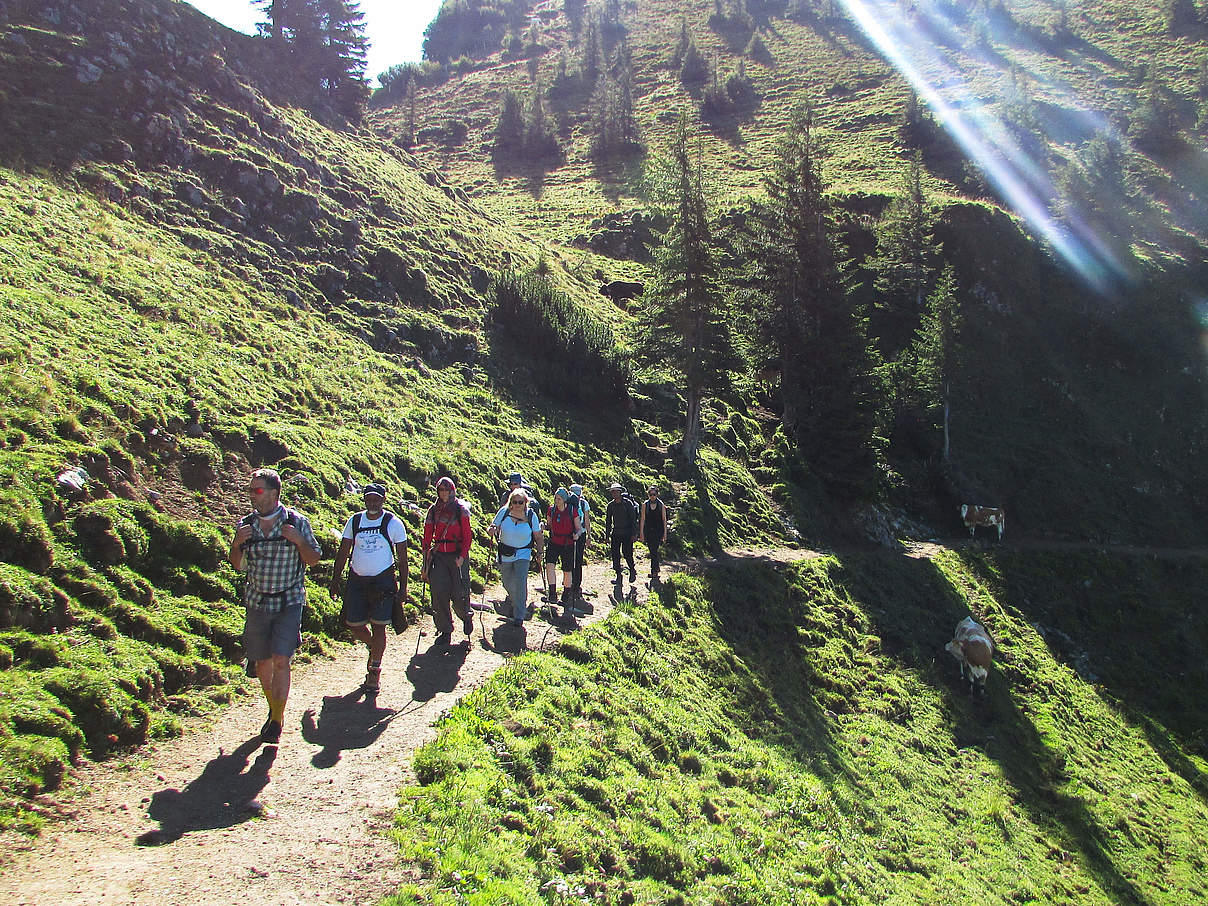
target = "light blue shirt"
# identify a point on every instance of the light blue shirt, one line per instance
(516, 534)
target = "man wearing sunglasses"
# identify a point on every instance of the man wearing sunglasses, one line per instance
(273, 546)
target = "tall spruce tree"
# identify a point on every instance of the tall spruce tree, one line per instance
(510, 129)
(905, 260)
(321, 49)
(687, 319)
(934, 354)
(821, 340)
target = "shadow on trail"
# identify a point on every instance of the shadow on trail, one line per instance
(352, 721)
(436, 670)
(223, 795)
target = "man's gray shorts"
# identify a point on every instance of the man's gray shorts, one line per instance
(267, 634)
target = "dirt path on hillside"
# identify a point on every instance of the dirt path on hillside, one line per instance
(217, 818)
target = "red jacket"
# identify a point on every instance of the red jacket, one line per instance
(448, 530)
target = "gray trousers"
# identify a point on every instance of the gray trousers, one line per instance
(450, 585)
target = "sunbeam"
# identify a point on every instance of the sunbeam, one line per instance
(913, 43)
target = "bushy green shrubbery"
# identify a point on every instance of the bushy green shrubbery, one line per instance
(571, 356)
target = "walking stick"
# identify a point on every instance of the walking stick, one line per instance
(423, 605)
(486, 581)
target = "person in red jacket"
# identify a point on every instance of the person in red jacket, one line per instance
(446, 560)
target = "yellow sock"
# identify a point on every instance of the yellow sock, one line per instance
(276, 709)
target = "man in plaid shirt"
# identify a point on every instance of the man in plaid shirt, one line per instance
(273, 546)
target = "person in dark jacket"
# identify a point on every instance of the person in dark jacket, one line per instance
(620, 527)
(446, 560)
(652, 528)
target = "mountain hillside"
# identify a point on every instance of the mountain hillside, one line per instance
(200, 277)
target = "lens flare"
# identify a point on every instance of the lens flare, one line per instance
(914, 42)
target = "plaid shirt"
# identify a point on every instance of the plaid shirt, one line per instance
(275, 571)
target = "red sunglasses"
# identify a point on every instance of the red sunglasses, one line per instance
(256, 490)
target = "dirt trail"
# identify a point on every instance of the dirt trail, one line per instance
(216, 818)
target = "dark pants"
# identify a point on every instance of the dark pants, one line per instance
(622, 545)
(653, 544)
(449, 585)
(577, 570)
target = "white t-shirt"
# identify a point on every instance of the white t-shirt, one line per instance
(371, 553)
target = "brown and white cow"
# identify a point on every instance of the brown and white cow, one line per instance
(973, 649)
(973, 516)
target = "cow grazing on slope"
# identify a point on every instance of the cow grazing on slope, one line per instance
(973, 516)
(973, 649)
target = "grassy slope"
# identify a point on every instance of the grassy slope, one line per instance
(858, 97)
(1058, 387)
(168, 344)
(798, 736)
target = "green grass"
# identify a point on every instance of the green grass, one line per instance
(759, 736)
(118, 618)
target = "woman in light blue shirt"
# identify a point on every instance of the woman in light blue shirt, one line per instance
(518, 532)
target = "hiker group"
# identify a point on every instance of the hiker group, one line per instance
(274, 544)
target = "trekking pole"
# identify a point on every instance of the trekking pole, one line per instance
(423, 608)
(486, 581)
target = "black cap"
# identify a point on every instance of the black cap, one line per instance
(374, 488)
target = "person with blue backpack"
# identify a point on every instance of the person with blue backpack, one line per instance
(374, 540)
(580, 502)
(564, 528)
(518, 533)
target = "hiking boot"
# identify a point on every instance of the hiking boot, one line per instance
(633, 574)
(618, 580)
(442, 638)
(553, 599)
(271, 731)
(467, 624)
(249, 668)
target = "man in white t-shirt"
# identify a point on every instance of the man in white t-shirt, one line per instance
(375, 540)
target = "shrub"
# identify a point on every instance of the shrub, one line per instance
(574, 357)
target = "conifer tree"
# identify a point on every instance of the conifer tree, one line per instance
(539, 138)
(695, 68)
(593, 56)
(1180, 15)
(687, 319)
(904, 263)
(321, 47)
(510, 128)
(934, 353)
(826, 363)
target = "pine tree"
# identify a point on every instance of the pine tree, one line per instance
(934, 353)
(687, 319)
(681, 45)
(821, 341)
(539, 138)
(593, 55)
(905, 259)
(510, 128)
(695, 68)
(342, 75)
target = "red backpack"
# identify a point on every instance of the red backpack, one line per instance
(561, 526)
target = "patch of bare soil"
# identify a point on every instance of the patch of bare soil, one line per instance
(215, 817)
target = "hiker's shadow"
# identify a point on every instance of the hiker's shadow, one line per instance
(352, 721)
(509, 639)
(436, 670)
(221, 796)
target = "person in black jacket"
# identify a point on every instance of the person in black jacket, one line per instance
(652, 528)
(620, 527)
